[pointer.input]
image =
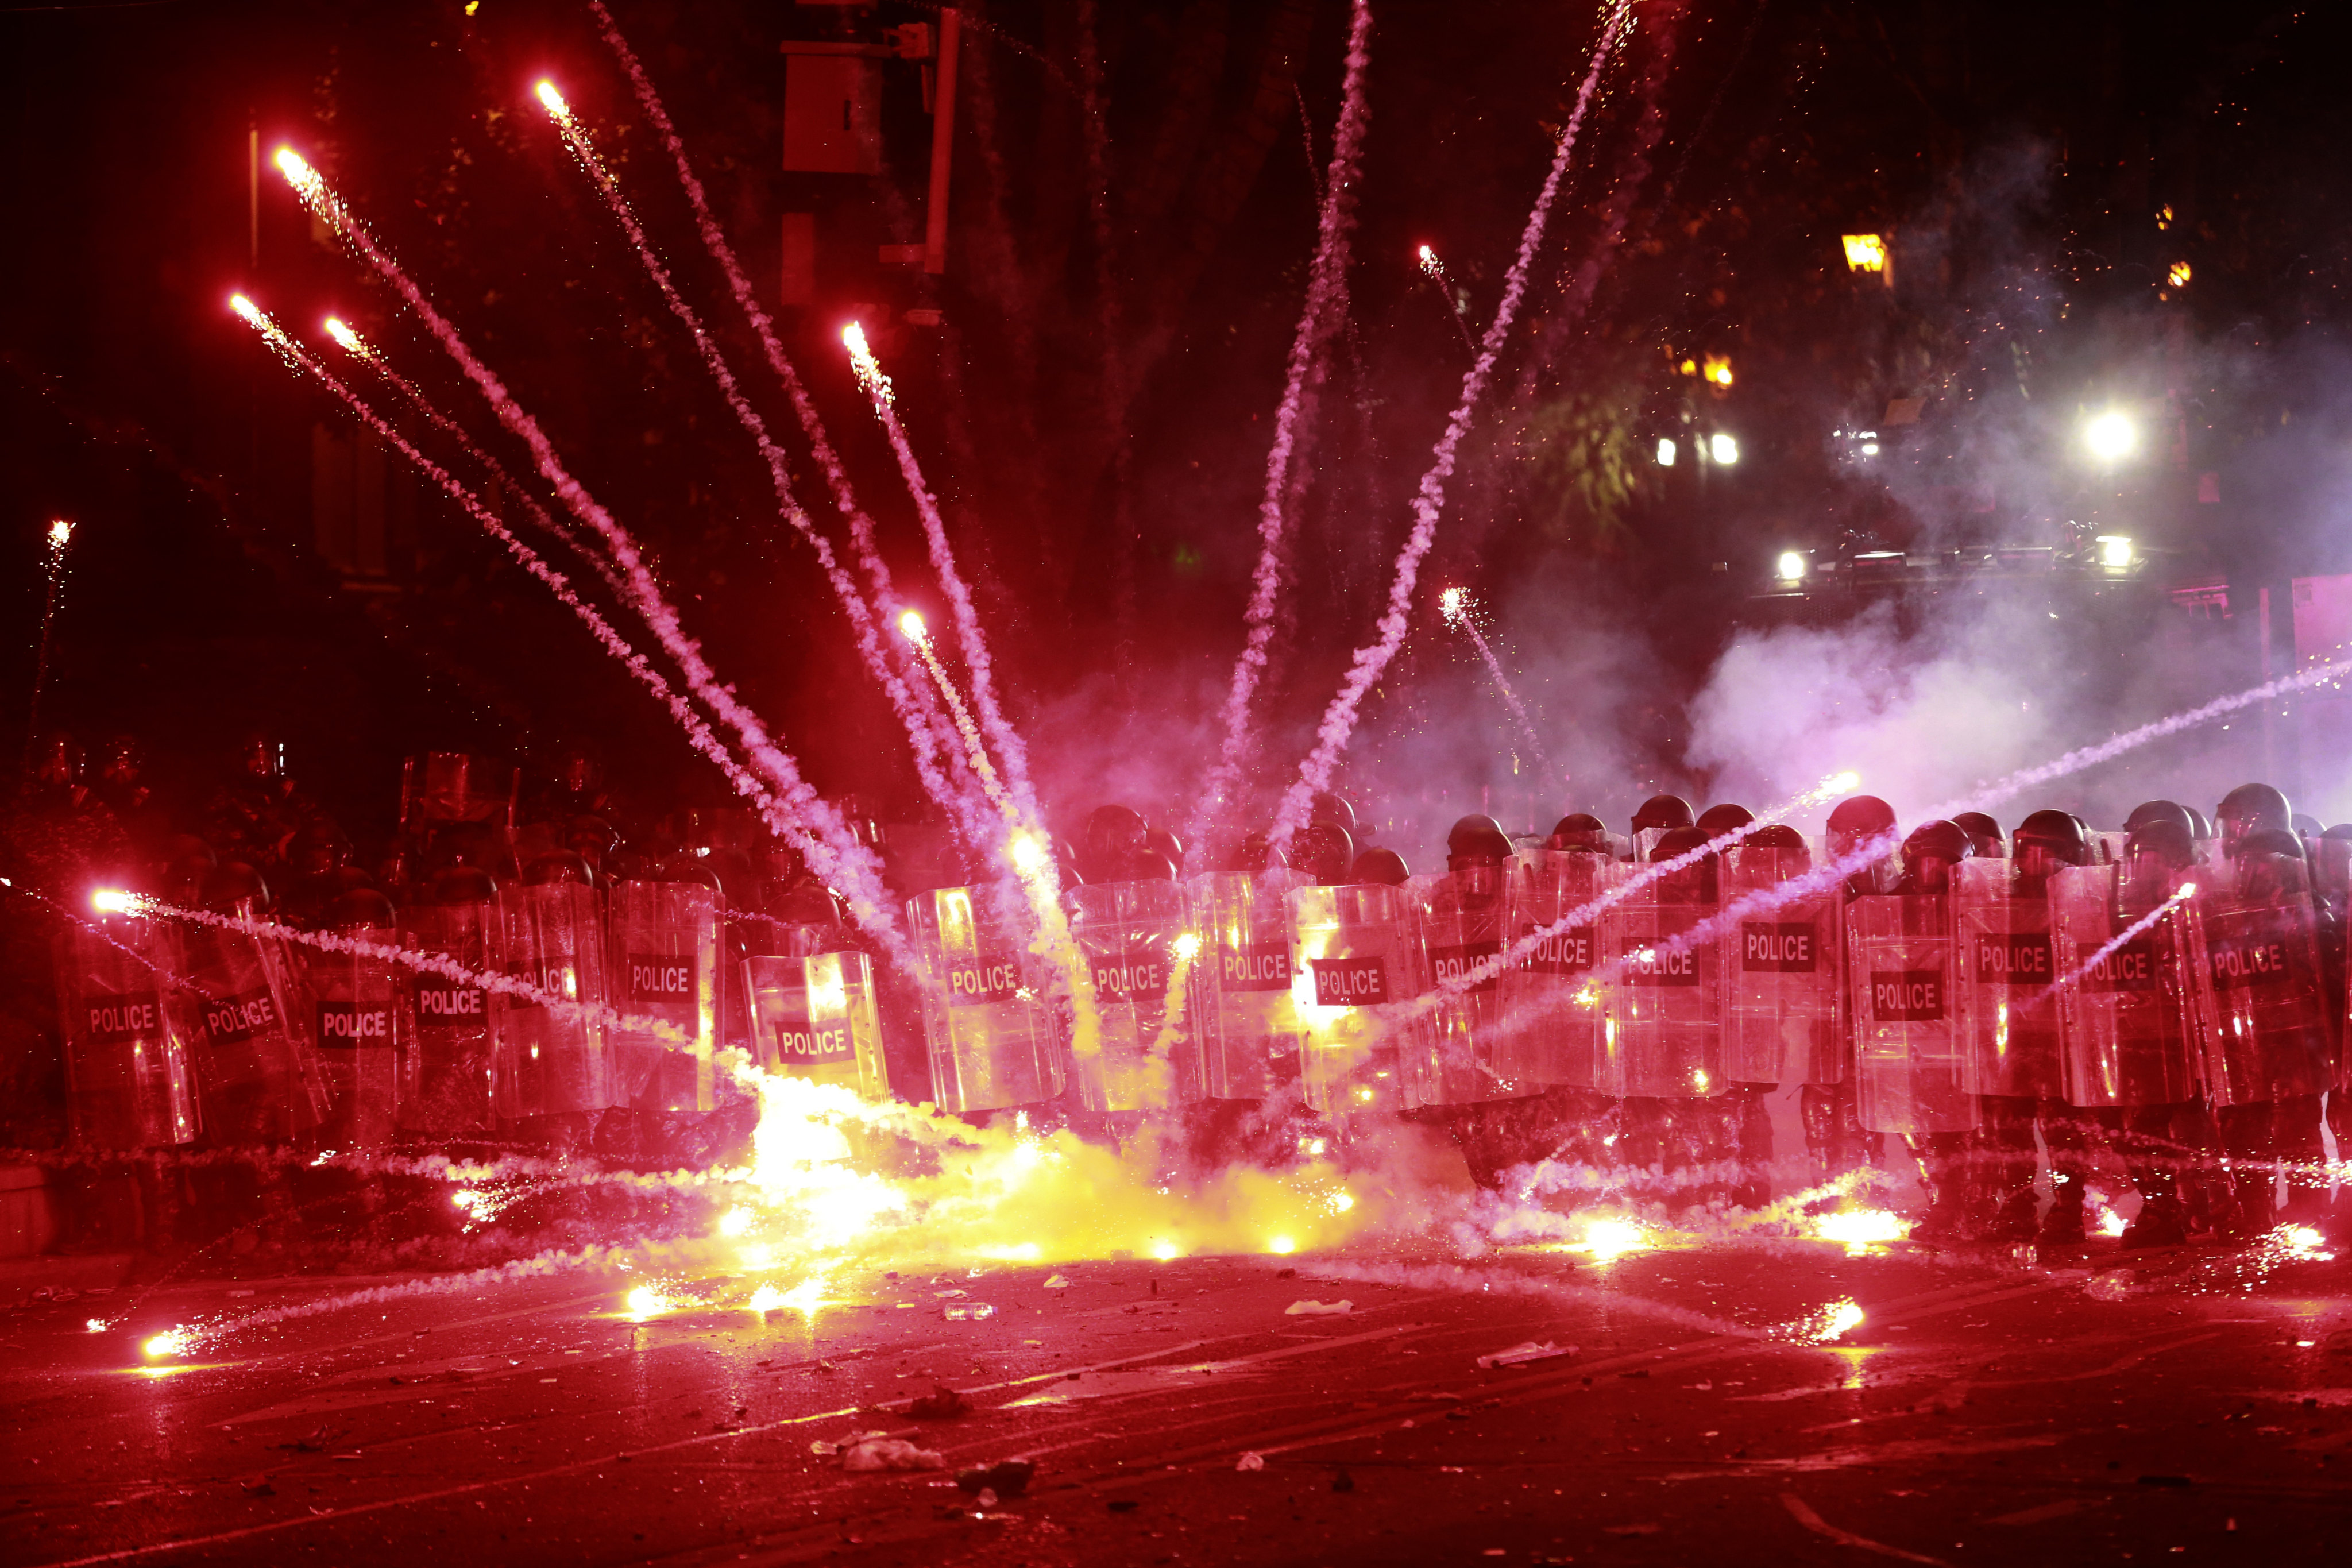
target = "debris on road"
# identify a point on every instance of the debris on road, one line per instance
(879, 1451)
(1006, 1477)
(1311, 1308)
(942, 1403)
(969, 1311)
(1520, 1355)
(1250, 1461)
(1057, 1282)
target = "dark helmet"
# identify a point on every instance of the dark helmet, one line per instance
(696, 869)
(1324, 850)
(1858, 817)
(1578, 831)
(1662, 811)
(261, 755)
(1476, 837)
(1717, 820)
(808, 903)
(233, 883)
(1982, 831)
(461, 885)
(591, 837)
(1254, 856)
(1167, 845)
(2165, 839)
(1931, 852)
(1334, 809)
(359, 908)
(319, 848)
(558, 866)
(2198, 821)
(1385, 866)
(2250, 808)
(2307, 826)
(1695, 881)
(56, 758)
(2060, 834)
(2341, 830)
(1112, 833)
(1148, 866)
(1779, 836)
(2271, 841)
(2150, 811)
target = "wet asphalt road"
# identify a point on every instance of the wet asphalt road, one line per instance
(1986, 1408)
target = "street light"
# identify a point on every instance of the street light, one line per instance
(1665, 451)
(2115, 551)
(1793, 566)
(2111, 437)
(1723, 448)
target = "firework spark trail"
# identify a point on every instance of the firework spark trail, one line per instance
(1010, 750)
(1339, 719)
(448, 968)
(763, 327)
(910, 626)
(53, 567)
(2179, 896)
(1822, 877)
(164, 973)
(698, 733)
(852, 603)
(1326, 308)
(1434, 270)
(1460, 612)
(368, 354)
(836, 851)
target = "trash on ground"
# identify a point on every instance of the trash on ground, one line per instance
(969, 1311)
(1519, 1355)
(1251, 1461)
(942, 1403)
(879, 1451)
(1006, 1477)
(1316, 1308)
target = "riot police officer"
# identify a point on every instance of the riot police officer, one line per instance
(1834, 1136)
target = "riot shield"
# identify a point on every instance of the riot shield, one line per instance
(1661, 1001)
(256, 1068)
(817, 1017)
(2008, 1013)
(1245, 1028)
(1908, 1062)
(1781, 1021)
(1129, 932)
(444, 1051)
(1465, 918)
(1351, 954)
(548, 1058)
(663, 970)
(130, 1080)
(2273, 1034)
(1550, 993)
(987, 1015)
(2127, 1017)
(360, 1019)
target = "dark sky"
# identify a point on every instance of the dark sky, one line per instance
(1099, 455)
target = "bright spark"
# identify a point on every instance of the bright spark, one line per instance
(870, 378)
(1164, 1250)
(2112, 436)
(95, 1325)
(553, 101)
(115, 902)
(1282, 1244)
(60, 535)
(170, 1343)
(1429, 262)
(1450, 604)
(1861, 1229)
(649, 1301)
(350, 342)
(1841, 1317)
(912, 627)
(1186, 947)
(1611, 1238)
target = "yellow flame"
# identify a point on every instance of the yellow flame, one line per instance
(1609, 1239)
(1282, 1244)
(1839, 1319)
(552, 101)
(766, 1298)
(2179, 275)
(170, 1343)
(1718, 368)
(911, 626)
(115, 902)
(1864, 252)
(345, 339)
(1164, 1250)
(651, 1301)
(1186, 947)
(1860, 1229)
(1029, 853)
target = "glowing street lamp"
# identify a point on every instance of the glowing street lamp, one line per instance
(1665, 451)
(1792, 566)
(1723, 448)
(2116, 552)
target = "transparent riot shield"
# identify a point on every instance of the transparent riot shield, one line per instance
(1352, 952)
(256, 1069)
(444, 1056)
(817, 1017)
(1465, 920)
(2273, 1034)
(988, 1017)
(1246, 1028)
(1908, 1064)
(1130, 934)
(2008, 1012)
(1549, 993)
(130, 1079)
(1782, 993)
(549, 1057)
(663, 978)
(1661, 1001)
(2127, 1014)
(360, 1017)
